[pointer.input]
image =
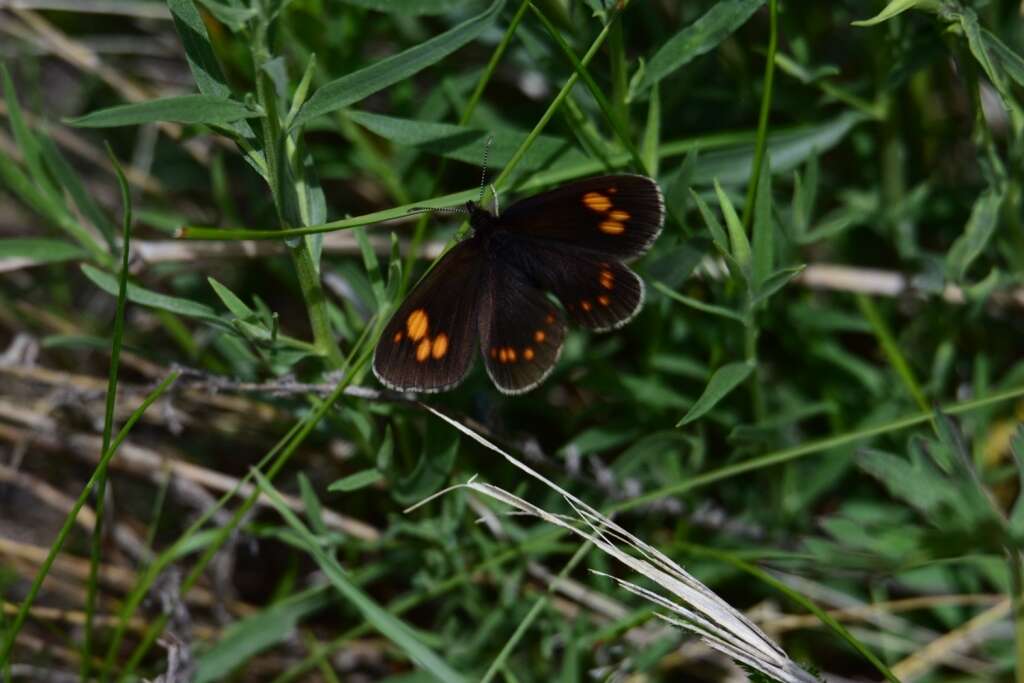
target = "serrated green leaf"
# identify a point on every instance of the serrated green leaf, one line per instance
(356, 86)
(205, 109)
(725, 379)
(702, 36)
(356, 481)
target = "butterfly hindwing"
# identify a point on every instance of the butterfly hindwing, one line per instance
(619, 216)
(597, 292)
(521, 331)
(429, 343)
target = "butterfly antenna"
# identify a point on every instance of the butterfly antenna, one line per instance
(483, 172)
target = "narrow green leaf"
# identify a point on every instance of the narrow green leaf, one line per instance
(356, 481)
(1016, 516)
(776, 281)
(702, 36)
(410, 8)
(1012, 63)
(26, 141)
(466, 144)
(145, 297)
(718, 235)
(198, 49)
(231, 300)
(68, 179)
(387, 624)
(787, 149)
(356, 86)
(897, 7)
(314, 511)
(763, 229)
(39, 250)
(725, 379)
(234, 18)
(249, 636)
(652, 134)
(977, 45)
(206, 109)
(977, 233)
(720, 311)
(738, 242)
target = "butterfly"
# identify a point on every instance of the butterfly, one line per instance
(495, 286)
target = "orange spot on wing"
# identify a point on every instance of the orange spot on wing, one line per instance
(607, 279)
(398, 337)
(619, 215)
(511, 355)
(528, 353)
(597, 202)
(612, 190)
(440, 346)
(586, 305)
(612, 227)
(416, 324)
(550, 320)
(494, 352)
(502, 355)
(603, 300)
(422, 351)
(539, 336)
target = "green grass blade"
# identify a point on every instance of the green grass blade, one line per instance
(117, 339)
(69, 522)
(385, 623)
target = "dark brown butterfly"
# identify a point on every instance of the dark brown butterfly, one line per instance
(494, 286)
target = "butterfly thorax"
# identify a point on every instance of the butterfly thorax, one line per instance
(482, 221)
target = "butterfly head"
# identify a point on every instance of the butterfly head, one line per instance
(479, 217)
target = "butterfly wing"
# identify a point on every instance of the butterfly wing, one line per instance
(521, 330)
(428, 344)
(597, 292)
(618, 216)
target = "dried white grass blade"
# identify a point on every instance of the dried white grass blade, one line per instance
(718, 624)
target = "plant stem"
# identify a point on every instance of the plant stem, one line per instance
(762, 121)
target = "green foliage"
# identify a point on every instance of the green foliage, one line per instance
(843, 251)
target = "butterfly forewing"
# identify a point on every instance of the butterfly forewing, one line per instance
(429, 344)
(521, 330)
(619, 216)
